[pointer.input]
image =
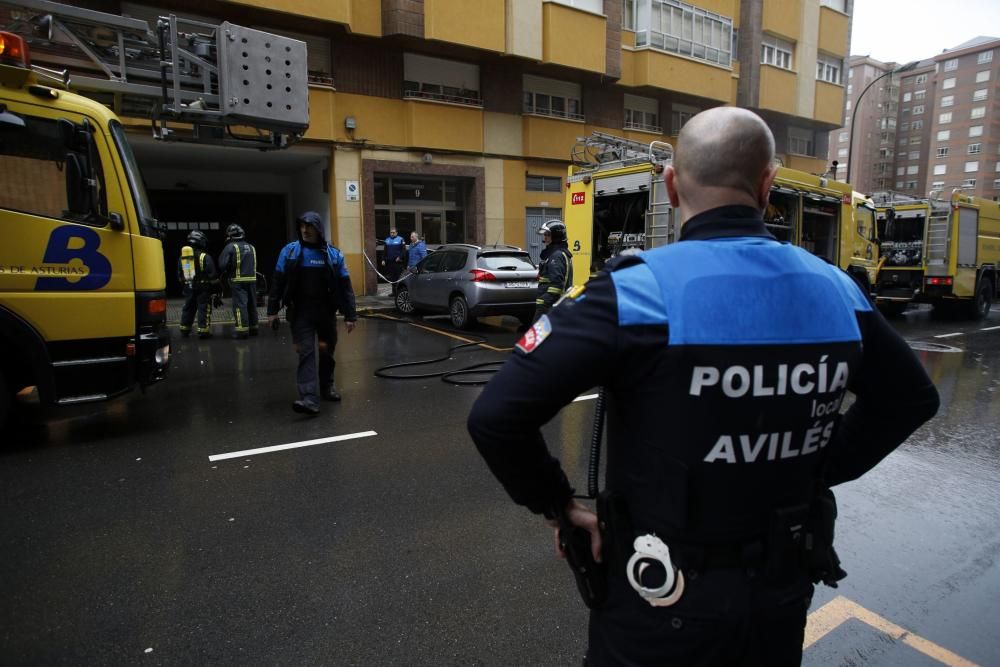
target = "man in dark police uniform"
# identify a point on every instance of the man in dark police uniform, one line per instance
(724, 358)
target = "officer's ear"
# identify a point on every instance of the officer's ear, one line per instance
(764, 190)
(670, 179)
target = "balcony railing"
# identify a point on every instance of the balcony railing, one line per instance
(465, 100)
(629, 125)
(552, 113)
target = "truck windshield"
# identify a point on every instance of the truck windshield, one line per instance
(147, 223)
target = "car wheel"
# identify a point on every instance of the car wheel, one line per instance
(403, 303)
(979, 308)
(459, 312)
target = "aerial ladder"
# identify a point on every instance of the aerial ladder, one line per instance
(230, 84)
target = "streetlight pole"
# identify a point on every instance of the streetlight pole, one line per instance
(857, 105)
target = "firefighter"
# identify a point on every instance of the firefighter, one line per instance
(196, 271)
(311, 281)
(555, 271)
(238, 264)
(724, 359)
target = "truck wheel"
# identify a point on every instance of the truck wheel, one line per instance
(979, 307)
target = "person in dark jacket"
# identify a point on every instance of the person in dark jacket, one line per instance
(392, 259)
(724, 359)
(416, 252)
(555, 271)
(238, 264)
(312, 283)
(197, 273)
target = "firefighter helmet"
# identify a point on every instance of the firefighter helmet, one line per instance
(197, 239)
(234, 231)
(555, 228)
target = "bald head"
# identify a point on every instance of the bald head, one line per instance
(723, 156)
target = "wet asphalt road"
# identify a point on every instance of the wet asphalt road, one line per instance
(124, 544)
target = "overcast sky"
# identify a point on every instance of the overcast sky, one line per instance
(905, 30)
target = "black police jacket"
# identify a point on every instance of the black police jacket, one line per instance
(338, 294)
(725, 358)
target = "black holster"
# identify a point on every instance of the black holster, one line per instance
(800, 539)
(822, 561)
(591, 576)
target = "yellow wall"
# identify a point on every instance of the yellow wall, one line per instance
(728, 8)
(573, 38)
(777, 89)
(833, 31)
(338, 11)
(448, 126)
(321, 106)
(366, 17)
(550, 138)
(783, 17)
(812, 165)
(829, 102)
(453, 21)
(517, 199)
(379, 120)
(670, 72)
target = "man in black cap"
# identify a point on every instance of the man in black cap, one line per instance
(311, 281)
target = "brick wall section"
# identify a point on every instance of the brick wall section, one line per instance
(613, 55)
(366, 67)
(475, 206)
(403, 17)
(502, 86)
(604, 106)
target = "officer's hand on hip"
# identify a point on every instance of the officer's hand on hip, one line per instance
(350, 326)
(579, 515)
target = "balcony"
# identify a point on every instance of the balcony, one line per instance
(833, 31)
(778, 89)
(785, 19)
(550, 137)
(573, 38)
(649, 67)
(829, 102)
(431, 124)
(452, 21)
(363, 16)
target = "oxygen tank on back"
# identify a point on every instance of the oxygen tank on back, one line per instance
(188, 264)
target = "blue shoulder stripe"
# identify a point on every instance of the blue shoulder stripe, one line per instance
(288, 253)
(639, 300)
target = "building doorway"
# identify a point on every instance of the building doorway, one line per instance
(434, 207)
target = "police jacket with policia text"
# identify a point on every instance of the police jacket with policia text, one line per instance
(238, 262)
(555, 273)
(725, 358)
(205, 274)
(339, 294)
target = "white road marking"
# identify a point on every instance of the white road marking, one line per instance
(960, 333)
(990, 329)
(588, 397)
(291, 445)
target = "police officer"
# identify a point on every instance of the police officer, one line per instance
(555, 271)
(392, 260)
(724, 360)
(311, 281)
(200, 279)
(238, 263)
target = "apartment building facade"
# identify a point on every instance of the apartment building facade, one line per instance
(457, 118)
(935, 126)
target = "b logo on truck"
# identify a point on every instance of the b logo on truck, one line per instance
(64, 259)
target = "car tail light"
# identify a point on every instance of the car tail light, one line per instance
(947, 280)
(156, 306)
(479, 276)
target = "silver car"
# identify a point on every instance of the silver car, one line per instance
(468, 281)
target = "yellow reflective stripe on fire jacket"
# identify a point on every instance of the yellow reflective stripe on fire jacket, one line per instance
(252, 276)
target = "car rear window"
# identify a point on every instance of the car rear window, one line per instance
(506, 262)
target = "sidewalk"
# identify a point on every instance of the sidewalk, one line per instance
(224, 315)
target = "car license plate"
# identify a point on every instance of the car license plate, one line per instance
(519, 283)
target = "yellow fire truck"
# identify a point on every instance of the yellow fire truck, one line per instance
(82, 284)
(944, 250)
(616, 200)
